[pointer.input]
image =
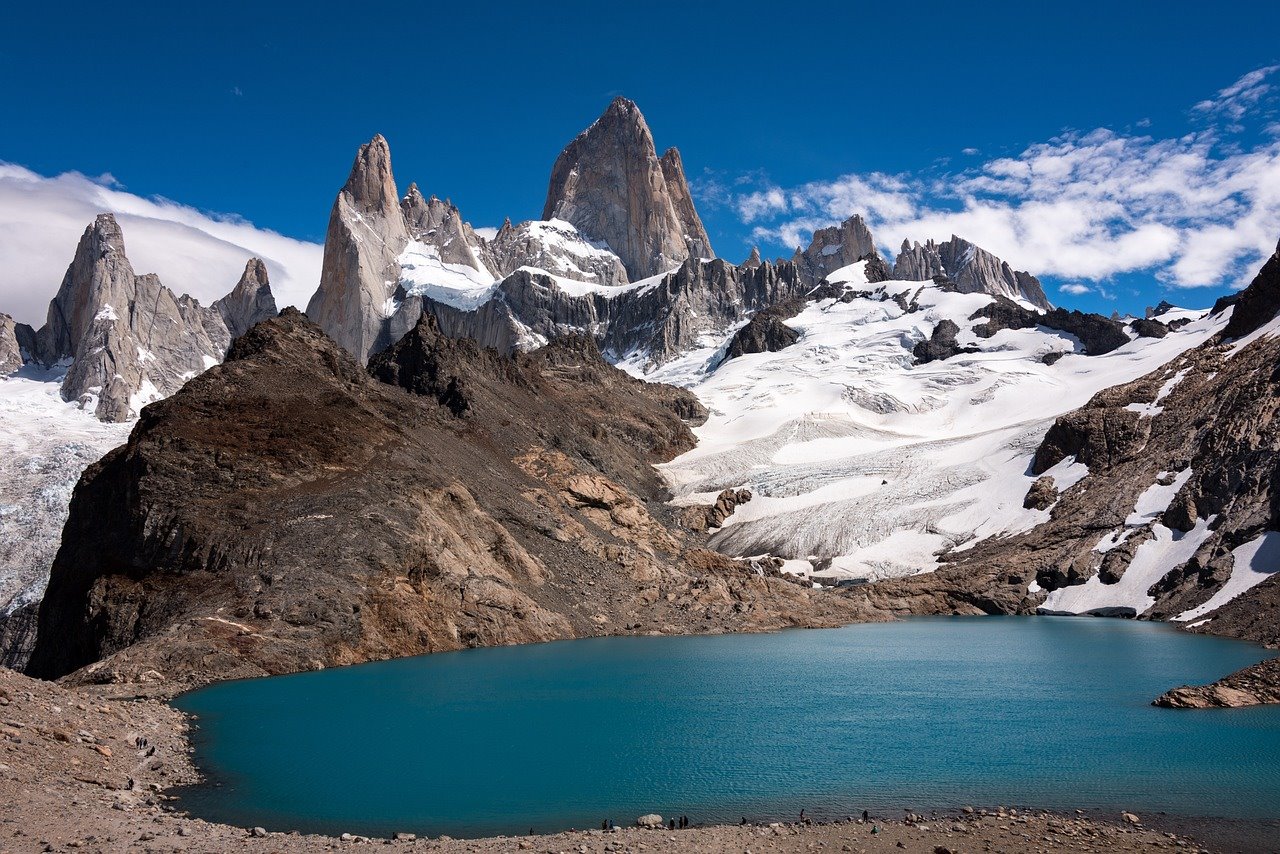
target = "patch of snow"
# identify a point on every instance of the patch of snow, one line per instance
(1155, 499)
(1152, 561)
(1254, 562)
(1067, 473)
(576, 288)
(423, 273)
(1151, 410)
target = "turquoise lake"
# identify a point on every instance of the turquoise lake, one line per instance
(920, 714)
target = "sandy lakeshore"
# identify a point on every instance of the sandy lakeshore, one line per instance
(87, 769)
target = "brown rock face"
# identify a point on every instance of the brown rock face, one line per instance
(286, 511)
(610, 184)
(1251, 686)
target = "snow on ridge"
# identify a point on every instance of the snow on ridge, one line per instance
(424, 273)
(856, 454)
(1255, 561)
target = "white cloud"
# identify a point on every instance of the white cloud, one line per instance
(1082, 206)
(1236, 100)
(970, 151)
(488, 232)
(41, 220)
(1075, 289)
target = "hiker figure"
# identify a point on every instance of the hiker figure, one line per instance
(744, 821)
(802, 815)
(865, 815)
(673, 824)
(604, 825)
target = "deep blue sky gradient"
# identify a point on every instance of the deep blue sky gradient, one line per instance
(257, 109)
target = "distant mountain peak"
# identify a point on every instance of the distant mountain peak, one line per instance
(610, 184)
(371, 185)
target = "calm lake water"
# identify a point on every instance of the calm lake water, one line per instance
(924, 713)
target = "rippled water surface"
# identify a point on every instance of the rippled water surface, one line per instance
(1047, 712)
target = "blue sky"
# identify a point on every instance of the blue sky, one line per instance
(979, 118)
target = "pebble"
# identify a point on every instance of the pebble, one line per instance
(259, 832)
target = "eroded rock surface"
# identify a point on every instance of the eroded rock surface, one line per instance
(971, 268)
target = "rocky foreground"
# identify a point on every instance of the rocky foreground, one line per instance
(88, 768)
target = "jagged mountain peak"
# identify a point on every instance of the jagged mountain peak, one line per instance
(839, 246)
(610, 184)
(971, 268)
(371, 185)
(249, 302)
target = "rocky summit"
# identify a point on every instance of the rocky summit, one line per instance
(610, 184)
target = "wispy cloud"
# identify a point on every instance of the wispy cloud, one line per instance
(1083, 206)
(202, 254)
(1075, 289)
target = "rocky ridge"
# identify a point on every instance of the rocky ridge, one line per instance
(971, 268)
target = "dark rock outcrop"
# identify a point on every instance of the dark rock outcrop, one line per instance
(1257, 304)
(1148, 328)
(941, 344)
(18, 635)
(285, 511)
(766, 332)
(1097, 334)
(1041, 495)
(610, 184)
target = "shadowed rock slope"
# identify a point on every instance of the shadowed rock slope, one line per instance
(286, 511)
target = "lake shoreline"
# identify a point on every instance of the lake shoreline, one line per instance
(89, 768)
(93, 767)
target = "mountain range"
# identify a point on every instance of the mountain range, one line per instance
(456, 444)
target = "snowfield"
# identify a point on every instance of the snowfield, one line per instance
(45, 444)
(860, 458)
